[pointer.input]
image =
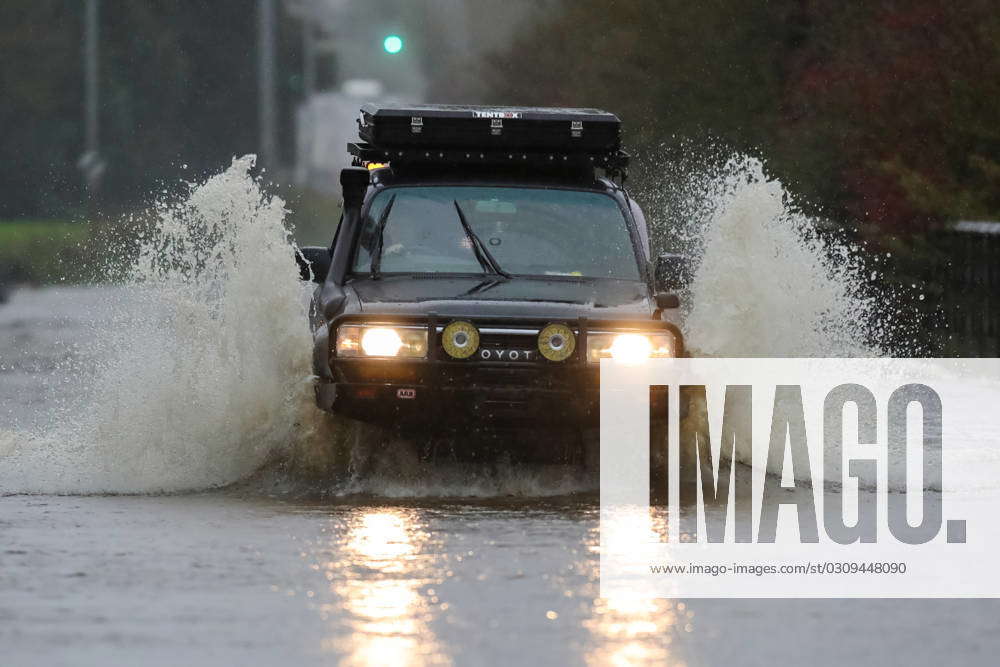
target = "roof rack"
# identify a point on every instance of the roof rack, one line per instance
(531, 137)
(365, 153)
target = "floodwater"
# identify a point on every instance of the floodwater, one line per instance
(231, 578)
(406, 571)
(169, 495)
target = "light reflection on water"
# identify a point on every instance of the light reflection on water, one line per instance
(378, 583)
(634, 630)
(385, 569)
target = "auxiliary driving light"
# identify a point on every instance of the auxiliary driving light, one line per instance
(460, 339)
(630, 348)
(355, 340)
(556, 342)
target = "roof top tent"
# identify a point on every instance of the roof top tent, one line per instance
(526, 138)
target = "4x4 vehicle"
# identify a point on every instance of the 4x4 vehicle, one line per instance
(485, 261)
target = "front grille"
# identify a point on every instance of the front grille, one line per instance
(502, 338)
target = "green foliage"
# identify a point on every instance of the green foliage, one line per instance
(977, 197)
(41, 96)
(881, 112)
(42, 250)
(668, 67)
(312, 216)
(905, 96)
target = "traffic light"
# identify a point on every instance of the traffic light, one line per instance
(392, 44)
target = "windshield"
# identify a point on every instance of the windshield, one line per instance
(519, 231)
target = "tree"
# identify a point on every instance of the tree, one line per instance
(903, 99)
(40, 106)
(178, 87)
(882, 112)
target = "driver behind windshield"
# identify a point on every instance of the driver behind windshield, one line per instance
(423, 235)
(526, 231)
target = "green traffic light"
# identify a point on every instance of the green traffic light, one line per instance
(393, 44)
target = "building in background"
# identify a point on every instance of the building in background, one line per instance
(325, 123)
(388, 50)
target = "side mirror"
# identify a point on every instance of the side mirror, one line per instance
(667, 300)
(314, 263)
(672, 273)
(354, 181)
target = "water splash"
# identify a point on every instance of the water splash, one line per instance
(367, 461)
(204, 376)
(203, 371)
(767, 284)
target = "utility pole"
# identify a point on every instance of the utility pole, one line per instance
(90, 162)
(266, 82)
(306, 130)
(90, 77)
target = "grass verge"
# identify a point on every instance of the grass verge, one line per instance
(42, 251)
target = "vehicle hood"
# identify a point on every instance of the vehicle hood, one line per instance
(484, 297)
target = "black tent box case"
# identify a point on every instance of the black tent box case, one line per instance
(447, 126)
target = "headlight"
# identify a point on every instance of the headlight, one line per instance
(630, 348)
(355, 340)
(381, 342)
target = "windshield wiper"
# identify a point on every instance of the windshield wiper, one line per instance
(379, 236)
(486, 260)
(486, 285)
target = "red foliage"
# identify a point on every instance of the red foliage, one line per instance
(884, 80)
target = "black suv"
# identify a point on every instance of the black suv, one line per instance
(486, 260)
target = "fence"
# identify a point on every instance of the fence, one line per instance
(968, 273)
